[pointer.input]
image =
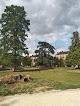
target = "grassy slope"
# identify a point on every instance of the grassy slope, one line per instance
(59, 78)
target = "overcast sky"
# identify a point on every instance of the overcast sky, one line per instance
(50, 20)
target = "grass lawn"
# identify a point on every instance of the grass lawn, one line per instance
(47, 79)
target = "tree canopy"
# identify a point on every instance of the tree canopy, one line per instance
(75, 43)
(73, 57)
(61, 62)
(14, 26)
(43, 53)
(56, 62)
(7, 59)
(26, 61)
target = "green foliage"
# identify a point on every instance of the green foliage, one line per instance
(26, 61)
(7, 59)
(75, 42)
(61, 62)
(73, 57)
(44, 54)
(44, 61)
(56, 61)
(13, 32)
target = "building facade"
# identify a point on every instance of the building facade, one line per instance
(33, 57)
(62, 54)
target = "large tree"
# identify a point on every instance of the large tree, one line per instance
(13, 31)
(43, 53)
(73, 57)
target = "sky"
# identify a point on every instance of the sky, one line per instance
(52, 21)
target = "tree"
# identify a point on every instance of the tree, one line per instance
(73, 57)
(44, 54)
(13, 32)
(56, 61)
(61, 62)
(26, 61)
(75, 42)
(8, 58)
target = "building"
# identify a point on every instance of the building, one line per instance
(33, 57)
(62, 54)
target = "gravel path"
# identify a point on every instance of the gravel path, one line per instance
(51, 98)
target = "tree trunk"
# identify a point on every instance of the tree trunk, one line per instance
(14, 69)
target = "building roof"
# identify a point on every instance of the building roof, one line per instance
(33, 56)
(62, 52)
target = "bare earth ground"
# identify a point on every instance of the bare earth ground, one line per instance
(50, 98)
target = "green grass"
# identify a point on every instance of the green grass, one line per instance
(48, 79)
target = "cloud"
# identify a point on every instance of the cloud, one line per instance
(50, 20)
